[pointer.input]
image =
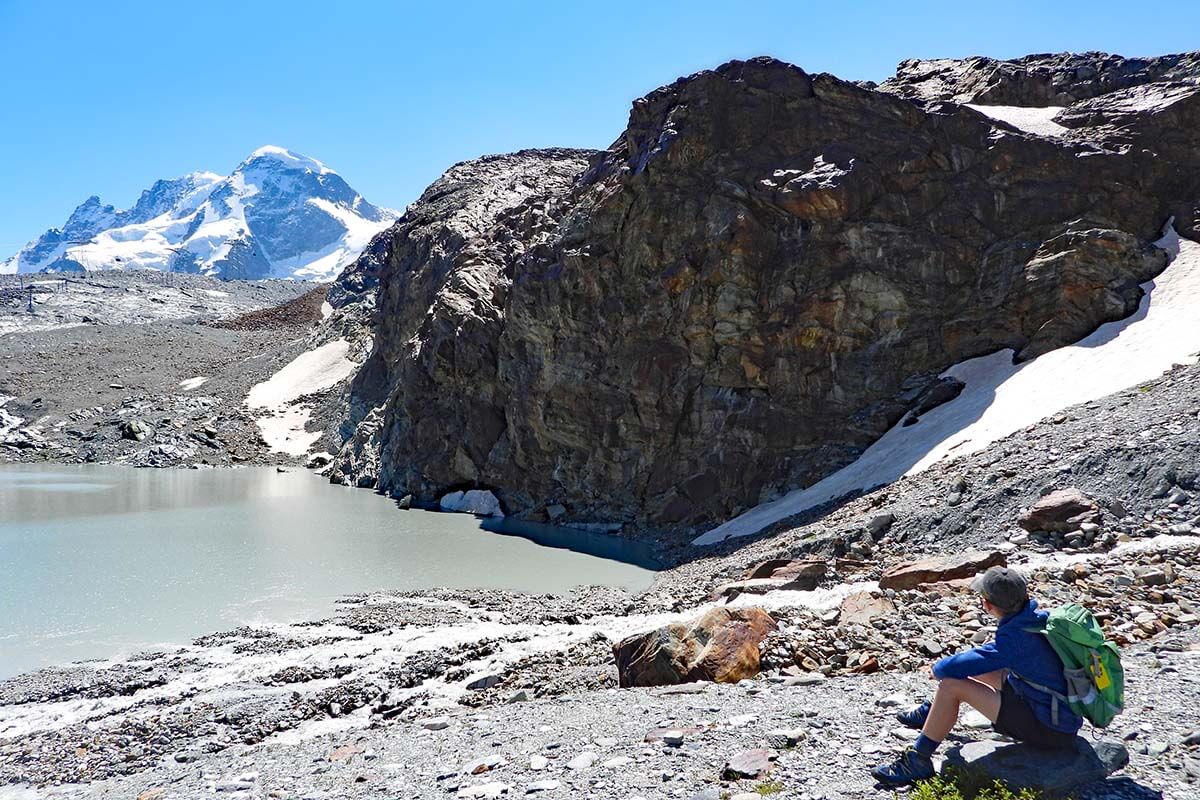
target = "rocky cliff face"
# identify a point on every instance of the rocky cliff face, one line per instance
(761, 275)
(1048, 79)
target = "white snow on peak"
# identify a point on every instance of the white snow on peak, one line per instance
(289, 158)
(1030, 119)
(280, 215)
(1001, 398)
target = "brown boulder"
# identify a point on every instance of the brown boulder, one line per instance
(911, 574)
(754, 763)
(862, 607)
(720, 646)
(796, 570)
(1064, 510)
(778, 573)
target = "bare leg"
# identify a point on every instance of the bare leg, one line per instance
(951, 693)
(992, 679)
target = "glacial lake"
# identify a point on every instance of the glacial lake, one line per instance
(102, 561)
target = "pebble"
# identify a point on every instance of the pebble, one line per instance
(485, 790)
(542, 786)
(582, 761)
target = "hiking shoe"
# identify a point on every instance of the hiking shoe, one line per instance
(910, 767)
(915, 717)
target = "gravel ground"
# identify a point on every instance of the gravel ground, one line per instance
(134, 297)
(167, 392)
(841, 727)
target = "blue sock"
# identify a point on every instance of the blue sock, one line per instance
(925, 746)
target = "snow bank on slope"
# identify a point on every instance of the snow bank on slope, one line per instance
(1029, 119)
(307, 373)
(1001, 398)
(284, 427)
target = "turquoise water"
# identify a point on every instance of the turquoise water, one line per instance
(101, 561)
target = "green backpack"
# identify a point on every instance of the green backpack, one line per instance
(1091, 665)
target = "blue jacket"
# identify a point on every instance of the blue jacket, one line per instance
(1024, 653)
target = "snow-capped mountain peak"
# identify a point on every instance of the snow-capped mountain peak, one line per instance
(289, 158)
(279, 214)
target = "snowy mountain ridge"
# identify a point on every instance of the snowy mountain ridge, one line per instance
(279, 214)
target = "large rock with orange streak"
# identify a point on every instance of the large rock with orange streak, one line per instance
(722, 646)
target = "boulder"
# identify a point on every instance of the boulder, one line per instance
(1051, 771)
(135, 430)
(911, 574)
(722, 646)
(779, 573)
(1061, 511)
(862, 607)
(807, 571)
(480, 502)
(754, 763)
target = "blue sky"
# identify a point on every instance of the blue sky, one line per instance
(103, 98)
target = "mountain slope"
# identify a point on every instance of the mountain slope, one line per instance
(279, 214)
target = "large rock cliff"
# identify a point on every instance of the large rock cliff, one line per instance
(762, 274)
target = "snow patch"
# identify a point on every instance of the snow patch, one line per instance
(308, 372)
(188, 384)
(1001, 398)
(284, 425)
(1034, 120)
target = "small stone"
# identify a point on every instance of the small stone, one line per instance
(485, 682)
(483, 764)
(538, 763)
(484, 790)
(582, 761)
(436, 723)
(672, 738)
(892, 700)
(542, 786)
(806, 679)
(782, 738)
(619, 761)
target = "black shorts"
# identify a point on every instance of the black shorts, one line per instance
(1016, 721)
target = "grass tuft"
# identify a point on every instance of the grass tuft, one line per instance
(962, 787)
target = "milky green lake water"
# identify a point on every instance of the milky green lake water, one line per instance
(101, 561)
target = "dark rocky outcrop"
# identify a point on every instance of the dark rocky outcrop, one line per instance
(762, 274)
